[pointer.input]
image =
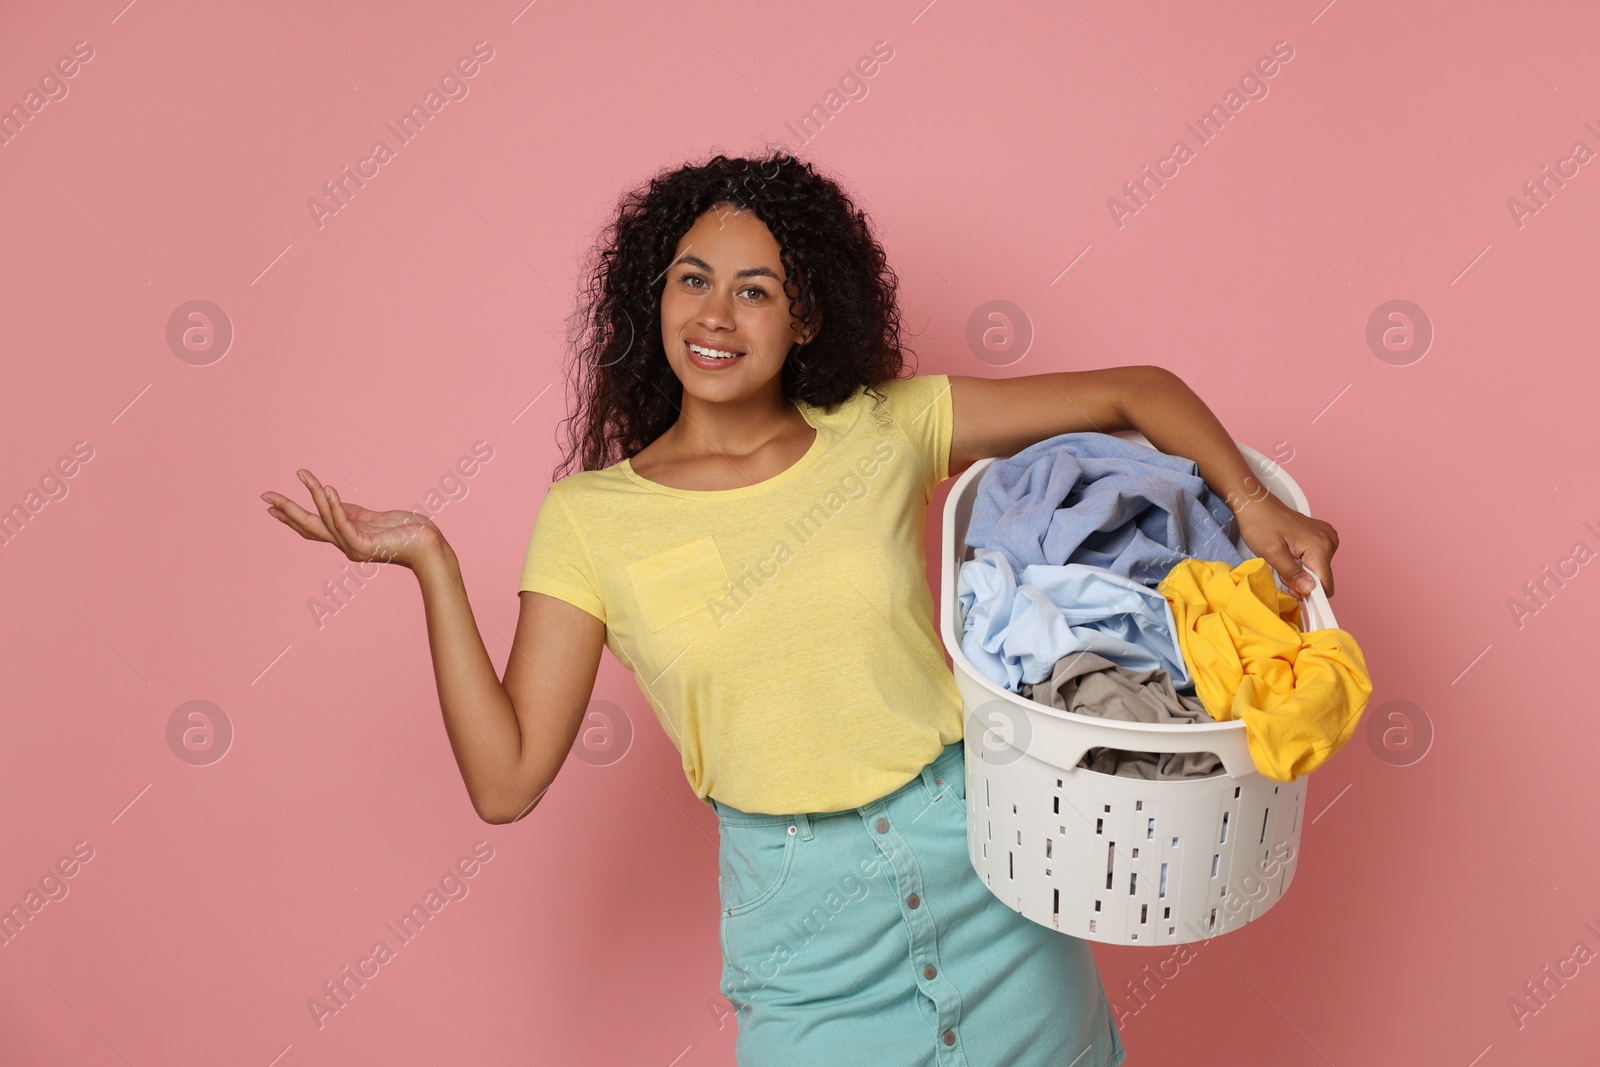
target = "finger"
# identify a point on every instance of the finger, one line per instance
(1289, 569)
(347, 533)
(304, 523)
(1316, 559)
(324, 508)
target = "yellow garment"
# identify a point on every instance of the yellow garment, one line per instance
(783, 632)
(1300, 694)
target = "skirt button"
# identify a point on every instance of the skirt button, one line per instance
(949, 1037)
(929, 971)
(883, 826)
(913, 901)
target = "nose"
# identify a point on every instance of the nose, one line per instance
(716, 309)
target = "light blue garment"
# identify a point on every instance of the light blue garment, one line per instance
(1103, 501)
(864, 938)
(1014, 633)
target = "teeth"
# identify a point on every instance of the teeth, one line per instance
(713, 354)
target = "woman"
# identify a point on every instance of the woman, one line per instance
(746, 534)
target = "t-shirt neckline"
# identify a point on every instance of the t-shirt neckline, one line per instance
(792, 471)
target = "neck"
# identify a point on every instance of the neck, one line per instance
(733, 427)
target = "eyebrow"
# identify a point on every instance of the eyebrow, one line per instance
(748, 272)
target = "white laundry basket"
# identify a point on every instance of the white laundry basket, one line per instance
(1119, 860)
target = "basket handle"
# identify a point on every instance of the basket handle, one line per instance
(1315, 610)
(1061, 738)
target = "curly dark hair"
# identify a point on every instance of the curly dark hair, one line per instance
(626, 394)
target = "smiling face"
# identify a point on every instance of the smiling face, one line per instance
(724, 294)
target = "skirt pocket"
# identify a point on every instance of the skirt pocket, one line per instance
(753, 864)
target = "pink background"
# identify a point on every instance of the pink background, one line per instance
(427, 315)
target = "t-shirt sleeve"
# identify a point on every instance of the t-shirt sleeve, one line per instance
(557, 563)
(924, 411)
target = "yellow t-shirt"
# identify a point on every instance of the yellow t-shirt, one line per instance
(782, 631)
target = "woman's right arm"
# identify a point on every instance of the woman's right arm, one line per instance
(510, 737)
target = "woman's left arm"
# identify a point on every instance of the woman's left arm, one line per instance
(1177, 422)
(995, 417)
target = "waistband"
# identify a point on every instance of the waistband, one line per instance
(944, 766)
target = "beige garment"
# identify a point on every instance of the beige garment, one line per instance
(1087, 684)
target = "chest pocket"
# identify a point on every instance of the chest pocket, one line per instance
(674, 584)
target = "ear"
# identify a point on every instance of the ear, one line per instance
(809, 331)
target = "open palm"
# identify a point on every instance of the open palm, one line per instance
(387, 536)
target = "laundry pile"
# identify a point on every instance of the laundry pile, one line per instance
(1108, 579)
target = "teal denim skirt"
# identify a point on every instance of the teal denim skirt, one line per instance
(864, 938)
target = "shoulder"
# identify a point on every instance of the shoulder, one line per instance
(586, 495)
(893, 399)
(914, 394)
(920, 405)
(572, 486)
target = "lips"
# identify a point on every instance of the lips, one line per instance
(714, 348)
(709, 362)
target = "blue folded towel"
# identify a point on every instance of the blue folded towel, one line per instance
(1101, 501)
(1014, 633)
